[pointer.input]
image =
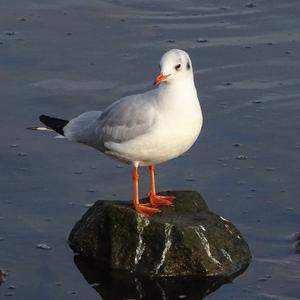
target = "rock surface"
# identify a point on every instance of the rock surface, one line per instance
(297, 244)
(2, 276)
(186, 239)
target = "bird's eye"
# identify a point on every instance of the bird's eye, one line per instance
(177, 68)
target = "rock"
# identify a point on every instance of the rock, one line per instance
(11, 287)
(202, 41)
(186, 239)
(250, 5)
(9, 294)
(43, 246)
(2, 276)
(297, 244)
(241, 157)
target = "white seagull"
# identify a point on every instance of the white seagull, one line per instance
(144, 129)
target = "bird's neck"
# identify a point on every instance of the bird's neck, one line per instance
(179, 98)
(178, 88)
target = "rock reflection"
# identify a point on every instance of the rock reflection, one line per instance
(122, 285)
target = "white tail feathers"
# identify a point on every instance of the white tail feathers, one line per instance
(38, 128)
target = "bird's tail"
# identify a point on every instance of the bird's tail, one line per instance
(52, 124)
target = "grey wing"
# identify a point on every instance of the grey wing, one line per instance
(127, 119)
(82, 128)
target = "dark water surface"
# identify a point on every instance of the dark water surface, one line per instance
(63, 57)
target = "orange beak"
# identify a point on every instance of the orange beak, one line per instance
(160, 77)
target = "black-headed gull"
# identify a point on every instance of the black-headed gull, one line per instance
(144, 129)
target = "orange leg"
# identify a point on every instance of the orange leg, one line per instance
(141, 208)
(156, 200)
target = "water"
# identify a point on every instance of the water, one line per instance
(65, 57)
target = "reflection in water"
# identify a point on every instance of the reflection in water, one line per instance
(122, 285)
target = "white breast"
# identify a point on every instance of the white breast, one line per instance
(178, 126)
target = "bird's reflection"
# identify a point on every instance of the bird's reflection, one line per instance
(122, 285)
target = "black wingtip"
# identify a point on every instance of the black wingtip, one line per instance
(54, 123)
(43, 118)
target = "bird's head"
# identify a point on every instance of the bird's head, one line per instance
(175, 66)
